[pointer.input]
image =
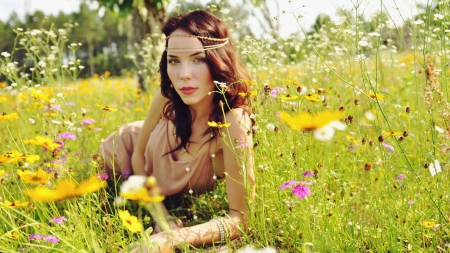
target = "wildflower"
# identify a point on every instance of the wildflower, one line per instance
(218, 124)
(399, 177)
(243, 144)
(376, 96)
(313, 97)
(51, 238)
(387, 134)
(44, 142)
(359, 57)
(440, 130)
(65, 189)
(59, 220)
(434, 167)
(418, 22)
(288, 97)
(67, 136)
(369, 116)
(13, 235)
(307, 173)
(35, 237)
(363, 43)
(8, 117)
(15, 157)
(39, 177)
(428, 224)
(5, 54)
(130, 222)
(301, 191)
(308, 122)
(410, 202)
(103, 176)
(388, 147)
(327, 132)
(14, 204)
(39, 95)
(106, 108)
(87, 122)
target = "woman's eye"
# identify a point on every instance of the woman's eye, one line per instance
(173, 61)
(200, 60)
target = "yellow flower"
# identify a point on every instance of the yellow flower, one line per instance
(142, 195)
(218, 125)
(322, 90)
(387, 134)
(8, 117)
(39, 95)
(2, 172)
(106, 108)
(288, 97)
(351, 139)
(14, 204)
(130, 222)
(15, 157)
(313, 98)
(44, 142)
(66, 189)
(13, 235)
(39, 177)
(308, 122)
(376, 95)
(428, 224)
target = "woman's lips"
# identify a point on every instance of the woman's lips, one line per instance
(188, 90)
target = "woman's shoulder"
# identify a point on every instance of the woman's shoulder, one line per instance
(238, 118)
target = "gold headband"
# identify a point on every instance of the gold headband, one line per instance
(208, 47)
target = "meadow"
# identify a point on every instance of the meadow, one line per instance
(351, 145)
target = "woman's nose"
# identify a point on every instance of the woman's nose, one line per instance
(185, 71)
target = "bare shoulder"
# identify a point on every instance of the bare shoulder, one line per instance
(238, 118)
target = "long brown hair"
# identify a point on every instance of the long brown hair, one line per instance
(223, 63)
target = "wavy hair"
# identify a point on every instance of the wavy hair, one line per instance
(223, 64)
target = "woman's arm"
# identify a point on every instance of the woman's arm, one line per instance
(154, 115)
(237, 150)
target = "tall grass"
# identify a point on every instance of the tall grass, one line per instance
(372, 189)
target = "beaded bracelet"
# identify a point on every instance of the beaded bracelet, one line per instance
(226, 226)
(221, 229)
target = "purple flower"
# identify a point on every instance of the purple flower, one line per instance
(67, 136)
(70, 103)
(59, 219)
(103, 176)
(301, 191)
(387, 146)
(351, 147)
(307, 173)
(288, 184)
(399, 177)
(87, 122)
(51, 239)
(35, 237)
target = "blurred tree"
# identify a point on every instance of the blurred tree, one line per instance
(89, 31)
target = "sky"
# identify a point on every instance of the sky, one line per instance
(309, 9)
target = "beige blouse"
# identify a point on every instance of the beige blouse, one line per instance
(171, 176)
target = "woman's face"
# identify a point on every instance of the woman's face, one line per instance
(188, 70)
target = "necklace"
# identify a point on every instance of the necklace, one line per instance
(188, 170)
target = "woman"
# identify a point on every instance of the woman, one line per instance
(202, 81)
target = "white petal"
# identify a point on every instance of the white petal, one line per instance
(440, 130)
(338, 125)
(325, 133)
(133, 184)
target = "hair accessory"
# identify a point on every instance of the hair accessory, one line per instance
(204, 48)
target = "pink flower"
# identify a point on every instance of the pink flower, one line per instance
(307, 173)
(243, 144)
(289, 184)
(88, 122)
(103, 176)
(399, 177)
(301, 191)
(35, 237)
(410, 202)
(59, 219)
(51, 239)
(67, 136)
(388, 147)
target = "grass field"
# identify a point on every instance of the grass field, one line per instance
(374, 180)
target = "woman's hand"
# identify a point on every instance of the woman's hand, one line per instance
(159, 243)
(174, 223)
